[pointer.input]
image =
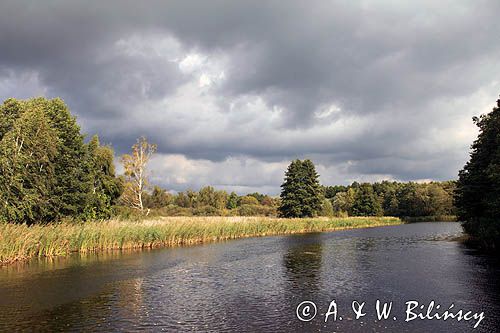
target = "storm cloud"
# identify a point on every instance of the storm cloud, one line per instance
(231, 91)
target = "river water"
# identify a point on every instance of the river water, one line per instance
(256, 284)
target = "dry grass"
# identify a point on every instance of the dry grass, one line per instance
(20, 242)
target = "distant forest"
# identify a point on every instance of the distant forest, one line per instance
(386, 198)
(392, 198)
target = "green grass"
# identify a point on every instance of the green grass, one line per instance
(21, 242)
(433, 218)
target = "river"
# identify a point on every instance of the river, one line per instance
(256, 284)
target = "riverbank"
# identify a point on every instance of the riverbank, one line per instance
(431, 218)
(20, 242)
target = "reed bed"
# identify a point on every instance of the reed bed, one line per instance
(21, 242)
(432, 218)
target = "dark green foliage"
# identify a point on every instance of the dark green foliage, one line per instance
(73, 182)
(395, 199)
(331, 191)
(232, 201)
(301, 194)
(27, 153)
(478, 187)
(47, 172)
(106, 188)
(366, 202)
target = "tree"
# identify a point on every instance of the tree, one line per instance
(135, 173)
(73, 182)
(158, 198)
(366, 202)
(232, 201)
(331, 191)
(326, 208)
(105, 187)
(208, 196)
(268, 201)
(478, 187)
(182, 200)
(257, 196)
(439, 202)
(343, 201)
(301, 194)
(48, 172)
(248, 200)
(9, 112)
(27, 154)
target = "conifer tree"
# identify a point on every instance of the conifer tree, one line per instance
(72, 183)
(301, 194)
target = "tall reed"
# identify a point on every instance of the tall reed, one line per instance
(20, 242)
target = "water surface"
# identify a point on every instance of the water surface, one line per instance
(255, 285)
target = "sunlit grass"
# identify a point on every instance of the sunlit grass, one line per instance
(20, 242)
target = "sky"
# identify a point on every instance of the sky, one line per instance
(232, 91)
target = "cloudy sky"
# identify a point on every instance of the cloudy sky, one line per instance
(231, 91)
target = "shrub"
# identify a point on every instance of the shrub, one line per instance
(248, 200)
(256, 210)
(207, 211)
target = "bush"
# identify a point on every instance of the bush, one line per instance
(174, 210)
(256, 210)
(326, 208)
(248, 200)
(207, 211)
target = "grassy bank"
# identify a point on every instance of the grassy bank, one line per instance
(20, 242)
(433, 218)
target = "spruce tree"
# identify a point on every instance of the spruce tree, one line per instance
(301, 194)
(73, 182)
(478, 188)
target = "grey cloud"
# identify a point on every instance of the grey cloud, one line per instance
(393, 70)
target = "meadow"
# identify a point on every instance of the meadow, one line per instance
(22, 242)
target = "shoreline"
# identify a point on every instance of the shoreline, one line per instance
(22, 243)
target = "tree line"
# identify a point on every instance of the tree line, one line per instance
(391, 198)
(303, 196)
(48, 172)
(208, 201)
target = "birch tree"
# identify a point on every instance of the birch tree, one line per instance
(27, 153)
(135, 173)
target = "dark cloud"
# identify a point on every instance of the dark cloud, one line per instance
(368, 89)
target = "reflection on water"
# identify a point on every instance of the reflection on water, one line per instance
(302, 263)
(254, 285)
